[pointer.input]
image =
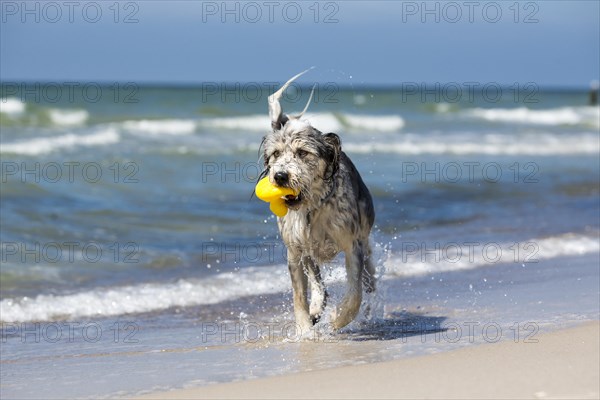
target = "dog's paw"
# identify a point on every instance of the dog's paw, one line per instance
(304, 325)
(315, 318)
(302, 332)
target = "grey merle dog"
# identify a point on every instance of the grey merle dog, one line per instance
(332, 213)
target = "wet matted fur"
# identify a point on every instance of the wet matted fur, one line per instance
(333, 213)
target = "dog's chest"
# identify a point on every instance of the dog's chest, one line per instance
(311, 234)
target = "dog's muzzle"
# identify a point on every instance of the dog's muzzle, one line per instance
(293, 202)
(282, 179)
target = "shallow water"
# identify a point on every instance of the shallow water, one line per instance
(253, 336)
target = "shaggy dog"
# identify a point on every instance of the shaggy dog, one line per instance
(333, 212)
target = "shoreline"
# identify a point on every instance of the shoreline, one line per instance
(561, 364)
(151, 354)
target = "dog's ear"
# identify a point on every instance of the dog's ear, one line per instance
(334, 141)
(261, 151)
(278, 123)
(334, 150)
(278, 118)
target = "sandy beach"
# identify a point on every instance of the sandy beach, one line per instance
(562, 364)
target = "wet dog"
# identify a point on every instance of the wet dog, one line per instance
(332, 213)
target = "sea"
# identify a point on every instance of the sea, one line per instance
(131, 239)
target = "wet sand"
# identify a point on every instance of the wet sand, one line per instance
(561, 364)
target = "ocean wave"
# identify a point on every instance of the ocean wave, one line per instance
(160, 127)
(417, 261)
(43, 145)
(444, 107)
(259, 123)
(325, 122)
(382, 123)
(68, 117)
(12, 106)
(488, 144)
(147, 297)
(587, 116)
(253, 281)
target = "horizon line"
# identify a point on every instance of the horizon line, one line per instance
(343, 86)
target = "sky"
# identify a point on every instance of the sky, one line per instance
(550, 43)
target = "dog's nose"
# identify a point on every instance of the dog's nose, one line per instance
(281, 178)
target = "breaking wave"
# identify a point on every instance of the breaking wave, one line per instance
(43, 145)
(587, 116)
(253, 281)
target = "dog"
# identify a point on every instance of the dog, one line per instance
(332, 213)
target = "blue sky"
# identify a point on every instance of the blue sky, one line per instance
(551, 43)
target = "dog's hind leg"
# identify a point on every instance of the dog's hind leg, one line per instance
(299, 286)
(318, 294)
(369, 281)
(347, 310)
(368, 276)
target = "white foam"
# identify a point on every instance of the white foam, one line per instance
(422, 260)
(589, 116)
(443, 107)
(258, 123)
(325, 122)
(489, 144)
(68, 117)
(161, 127)
(253, 281)
(11, 106)
(147, 297)
(380, 123)
(49, 144)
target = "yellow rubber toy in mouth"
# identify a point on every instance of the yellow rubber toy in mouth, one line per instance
(274, 195)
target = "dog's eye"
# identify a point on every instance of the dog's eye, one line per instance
(276, 153)
(301, 153)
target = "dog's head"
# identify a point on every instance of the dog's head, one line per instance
(299, 156)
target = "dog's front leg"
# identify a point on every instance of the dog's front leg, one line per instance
(318, 294)
(299, 286)
(347, 310)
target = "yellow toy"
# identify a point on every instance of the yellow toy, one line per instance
(275, 195)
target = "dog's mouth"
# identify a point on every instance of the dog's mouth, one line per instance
(292, 201)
